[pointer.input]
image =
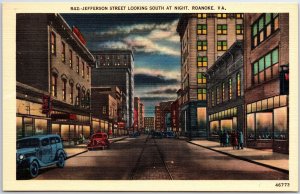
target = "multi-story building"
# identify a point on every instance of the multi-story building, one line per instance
(149, 124)
(225, 95)
(53, 77)
(266, 59)
(165, 115)
(141, 117)
(204, 37)
(117, 122)
(104, 107)
(175, 116)
(137, 110)
(115, 68)
(157, 118)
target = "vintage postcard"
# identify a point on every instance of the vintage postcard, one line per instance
(150, 97)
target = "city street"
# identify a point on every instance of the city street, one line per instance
(144, 158)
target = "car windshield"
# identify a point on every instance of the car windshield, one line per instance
(28, 143)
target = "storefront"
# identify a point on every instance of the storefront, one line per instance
(73, 128)
(30, 120)
(226, 120)
(267, 124)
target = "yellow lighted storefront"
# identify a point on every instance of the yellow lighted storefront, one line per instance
(30, 120)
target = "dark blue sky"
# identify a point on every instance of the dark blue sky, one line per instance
(156, 49)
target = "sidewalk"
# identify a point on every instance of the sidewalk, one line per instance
(268, 159)
(81, 148)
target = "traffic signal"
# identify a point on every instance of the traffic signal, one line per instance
(284, 80)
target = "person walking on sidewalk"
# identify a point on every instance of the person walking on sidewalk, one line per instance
(221, 137)
(234, 140)
(240, 140)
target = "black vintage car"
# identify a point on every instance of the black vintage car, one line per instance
(39, 151)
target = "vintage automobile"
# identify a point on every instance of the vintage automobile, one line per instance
(169, 134)
(98, 140)
(135, 134)
(157, 134)
(40, 151)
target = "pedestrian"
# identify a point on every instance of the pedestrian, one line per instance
(240, 140)
(234, 140)
(221, 138)
(226, 139)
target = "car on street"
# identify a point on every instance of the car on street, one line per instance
(157, 134)
(169, 134)
(98, 140)
(39, 151)
(135, 134)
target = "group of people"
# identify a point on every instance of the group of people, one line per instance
(236, 139)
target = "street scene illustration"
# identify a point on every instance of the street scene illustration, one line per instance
(201, 96)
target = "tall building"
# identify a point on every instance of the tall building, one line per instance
(141, 117)
(149, 124)
(204, 37)
(115, 68)
(103, 101)
(53, 78)
(157, 118)
(137, 112)
(165, 115)
(225, 93)
(266, 60)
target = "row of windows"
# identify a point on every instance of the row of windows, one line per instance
(264, 26)
(231, 112)
(82, 98)
(221, 15)
(63, 57)
(266, 67)
(202, 45)
(268, 103)
(221, 29)
(220, 94)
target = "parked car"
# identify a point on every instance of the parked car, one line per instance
(170, 134)
(135, 134)
(40, 151)
(157, 134)
(98, 140)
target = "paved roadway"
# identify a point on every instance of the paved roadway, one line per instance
(144, 158)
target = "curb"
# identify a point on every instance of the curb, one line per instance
(242, 158)
(68, 157)
(119, 139)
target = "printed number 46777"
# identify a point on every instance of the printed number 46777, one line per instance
(282, 184)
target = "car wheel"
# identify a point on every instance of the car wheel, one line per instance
(61, 161)
(33, 169)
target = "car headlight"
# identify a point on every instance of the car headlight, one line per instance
(21, 156)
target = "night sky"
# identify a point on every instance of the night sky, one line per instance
(156, 49)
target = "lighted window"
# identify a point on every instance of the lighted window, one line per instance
(71, 93)
(71, 58)
(239, 29)
(83, 98)
(263, 27)
(202, 15)
(53, 43)
(202, 61)
(229, 89)
(201, 29)
(54, 85)
(218, 95)
(82, 70)
(239, 16)
(63, 52)
(222, 15)
(64, 90)
(238, 84)
(88, 72)
(78, 97)
(201, 94)
(222, 45)
(223, 92)
(221, 29)
(201, 78)
(266, 67)
(202, 45)
(77, 65)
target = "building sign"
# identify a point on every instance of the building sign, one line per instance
(64, 116)
(47, 104)
(79, 35)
